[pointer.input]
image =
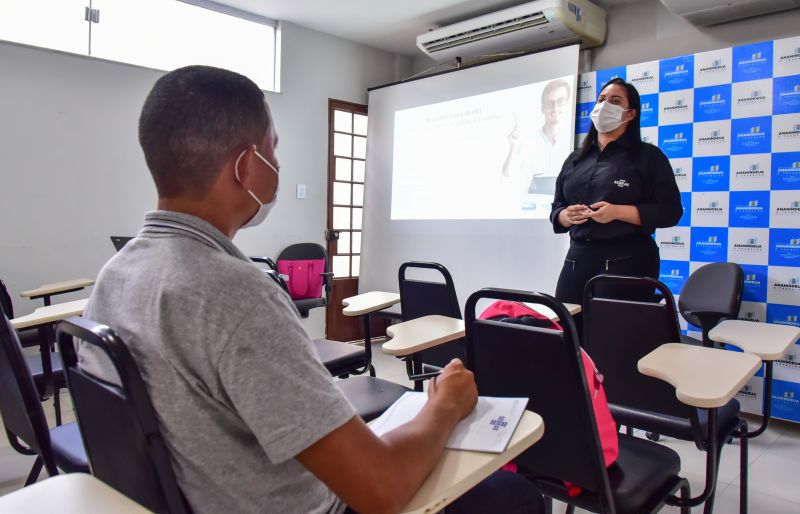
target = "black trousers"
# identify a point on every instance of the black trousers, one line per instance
(586, 259)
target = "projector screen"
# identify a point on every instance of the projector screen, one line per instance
(461, 170)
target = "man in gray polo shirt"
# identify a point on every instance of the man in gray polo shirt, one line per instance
(253, 421)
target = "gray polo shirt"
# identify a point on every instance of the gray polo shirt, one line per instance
(233, 376)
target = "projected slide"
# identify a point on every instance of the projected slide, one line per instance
(494, 155)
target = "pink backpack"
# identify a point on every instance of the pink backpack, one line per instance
(516, 312)
(303, 277)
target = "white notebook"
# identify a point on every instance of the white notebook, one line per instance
(488, 428)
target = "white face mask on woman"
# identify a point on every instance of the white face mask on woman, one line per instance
(263, 208)
(607, 117)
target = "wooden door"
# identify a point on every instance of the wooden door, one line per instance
(347, 152)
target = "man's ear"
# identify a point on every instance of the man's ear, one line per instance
(238, 164)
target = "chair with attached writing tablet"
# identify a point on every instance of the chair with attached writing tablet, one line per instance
(711, 294)
(44, 379)
(420, 298)
(370, 396)
(24, 419)
(617, 334)
(545, 366)
(117, 422)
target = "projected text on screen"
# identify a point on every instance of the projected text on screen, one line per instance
(494, 155)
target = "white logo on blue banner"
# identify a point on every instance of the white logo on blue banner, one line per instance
(709, 244)
(712, 103)
(785, 315)
(784, 247)
(784, 285)
(711, 173)
(648, 114)
(603, 76)
(712, 138)
(676, 140)
(784, 209)
(676, 73)
(644, 76)
(756, 283)
(674, 243)
(712, 68)
(586, 87)
(786, 54)
(650, 135)
(673, 274)
(750, 172)
(786, 170)
(748, 246)
(710, 209)
(749, 209)
(682, 170)
(753, 98)
(786, 133)
(751, 135)
(752, 62)
(786, 95)
(676, 107)
(582, 120)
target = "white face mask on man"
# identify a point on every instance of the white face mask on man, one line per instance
(263, 208)
(607, 117)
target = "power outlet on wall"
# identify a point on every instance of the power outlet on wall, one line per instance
(301, 191)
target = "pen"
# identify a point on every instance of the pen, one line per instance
(424, 376)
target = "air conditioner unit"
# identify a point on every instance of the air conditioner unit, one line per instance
(711, 12)
(530, 26)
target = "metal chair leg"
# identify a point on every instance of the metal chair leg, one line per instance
(35, 470)
(57, 405)
(743, 465)
(685, 495)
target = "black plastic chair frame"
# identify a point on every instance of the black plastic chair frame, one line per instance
(132, 388)
(604, 493)
(708, 442)
(412, 309)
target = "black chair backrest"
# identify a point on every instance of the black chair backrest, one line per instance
(545, 366)
(20, 405)
(117, 422)
(716, 287)
(5, 301)
(420, 298)
(617, 333)
(308, 251)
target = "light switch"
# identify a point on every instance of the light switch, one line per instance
(301, 191)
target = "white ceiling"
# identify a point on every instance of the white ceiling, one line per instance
(390, 25)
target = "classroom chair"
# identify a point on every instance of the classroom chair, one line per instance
(117, 422)
(617, 333)
(420, 298)
(545, 366)
(711, 294)
(44, 380)
(24, 419)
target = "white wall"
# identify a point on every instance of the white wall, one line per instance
(72, 172)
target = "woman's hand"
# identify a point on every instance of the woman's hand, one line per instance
(604, 212)
(574, 215)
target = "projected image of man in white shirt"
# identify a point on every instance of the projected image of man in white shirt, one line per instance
(533, 163)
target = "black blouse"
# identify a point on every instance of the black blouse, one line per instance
(623, 174)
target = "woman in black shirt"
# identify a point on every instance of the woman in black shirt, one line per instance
(611, 195)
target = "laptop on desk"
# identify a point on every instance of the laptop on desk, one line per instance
(119, 241)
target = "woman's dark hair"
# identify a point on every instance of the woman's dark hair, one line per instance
(633, 134)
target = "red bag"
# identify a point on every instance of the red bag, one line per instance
(516, 312)
(303, 277)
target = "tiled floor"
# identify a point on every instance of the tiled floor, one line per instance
(774, 460)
